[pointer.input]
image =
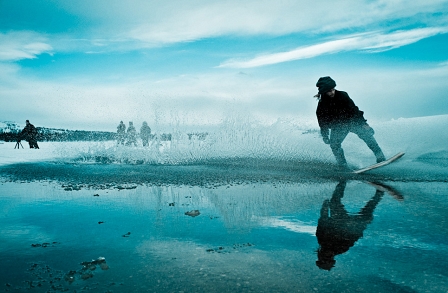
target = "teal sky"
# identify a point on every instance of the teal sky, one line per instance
(89, 64)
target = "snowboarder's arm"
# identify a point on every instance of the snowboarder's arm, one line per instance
(352, 110)
(323, 123)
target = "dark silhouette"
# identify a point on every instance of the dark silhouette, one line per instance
(131, 135)
(30, 134)
(121, 133)
(145, 133)
(338, 113)
(337, 230)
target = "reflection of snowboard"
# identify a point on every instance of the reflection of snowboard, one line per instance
(386, 188)
(377, 165)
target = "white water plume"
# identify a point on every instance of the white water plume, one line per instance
(235, 137)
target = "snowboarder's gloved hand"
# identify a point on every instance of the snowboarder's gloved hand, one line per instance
(324, 132)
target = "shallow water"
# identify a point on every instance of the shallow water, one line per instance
(243, 236)
(248, 209)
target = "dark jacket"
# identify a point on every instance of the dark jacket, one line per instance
(29, 132)
(121, 128)
(337, 111)
(145, 131)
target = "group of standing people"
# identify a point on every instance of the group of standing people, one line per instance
(129, 137)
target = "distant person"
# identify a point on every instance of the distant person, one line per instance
(145, 133)
(337, 230)
(121, 133)
(338, 113)
(131, 135)
(30, 135)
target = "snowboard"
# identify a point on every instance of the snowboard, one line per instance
(381, 164)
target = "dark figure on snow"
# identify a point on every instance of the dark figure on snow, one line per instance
(338, 113)
(30, 135)
(145, 133)
(131, 135)
(121, 133)
(337, 230)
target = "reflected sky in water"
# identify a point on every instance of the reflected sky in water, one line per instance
(251, 237)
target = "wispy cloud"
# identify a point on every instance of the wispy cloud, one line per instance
(294, 226)
(20, 45)
(209, 20)
(373, 42)
(149, 23)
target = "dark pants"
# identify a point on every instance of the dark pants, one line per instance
(339, 133)
(121, 138)
(33, 143)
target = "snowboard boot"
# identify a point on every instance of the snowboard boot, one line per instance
(380, 157)
(344, 168)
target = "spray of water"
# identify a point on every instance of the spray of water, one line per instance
(237, 137)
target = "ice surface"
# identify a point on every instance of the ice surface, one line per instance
(248, 147)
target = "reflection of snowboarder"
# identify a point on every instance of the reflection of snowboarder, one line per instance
(337, 231)
(121, 133)
(145, 133)
(338, 113)
(131, 135)
(30, 134)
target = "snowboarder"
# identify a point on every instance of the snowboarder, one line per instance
(131, 135)
(145, 133)
(121, 133)
(30, 134)
(337, 112)
(337, 230)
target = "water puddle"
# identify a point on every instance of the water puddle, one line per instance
(326, 236)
